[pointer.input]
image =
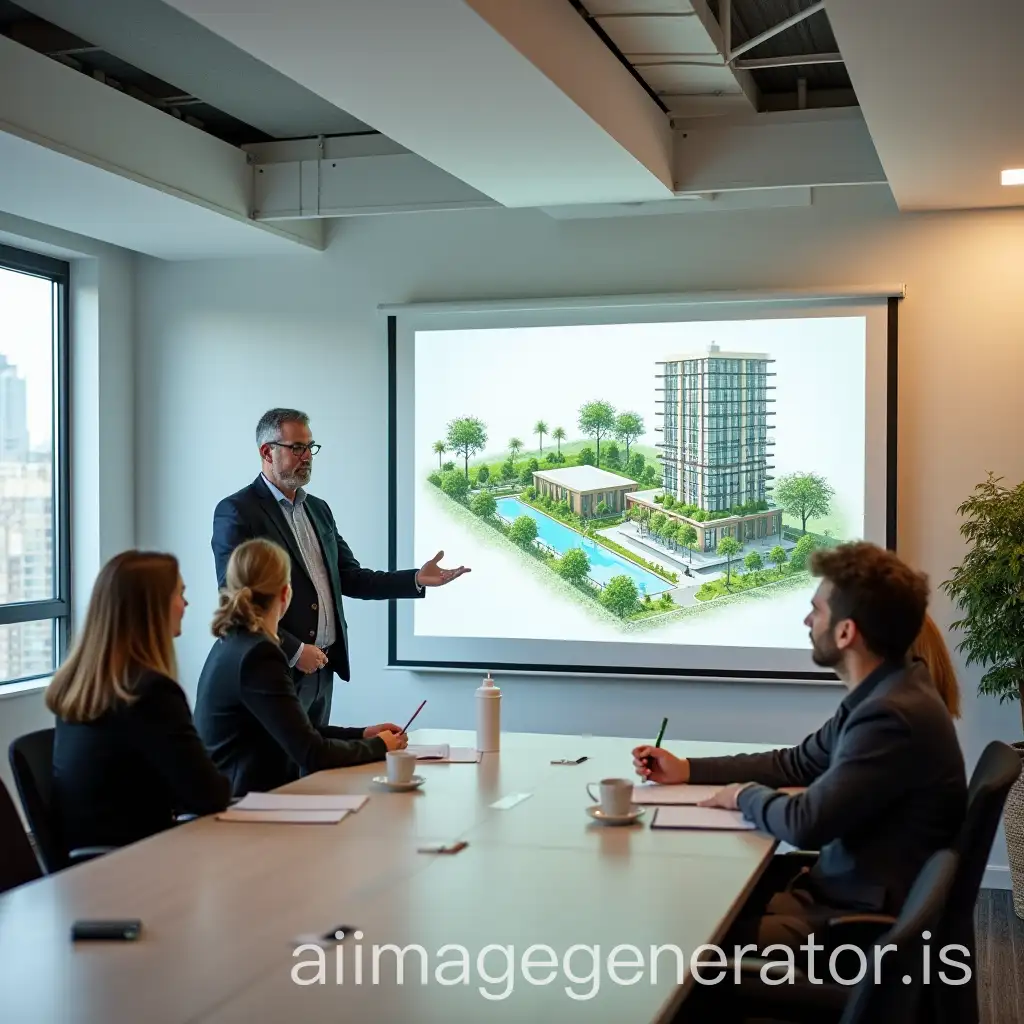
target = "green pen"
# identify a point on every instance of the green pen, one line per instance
(657, 742)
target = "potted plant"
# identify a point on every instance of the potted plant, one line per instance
(987, 588)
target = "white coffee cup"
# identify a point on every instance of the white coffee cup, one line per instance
(616, 795)
(401, 765)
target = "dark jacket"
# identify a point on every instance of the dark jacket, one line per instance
(253, 512)
(886, 788)
(255, 728)
(127, 774)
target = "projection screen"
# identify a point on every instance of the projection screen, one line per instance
(637, 483)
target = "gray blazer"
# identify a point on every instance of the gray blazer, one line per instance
(886, 788)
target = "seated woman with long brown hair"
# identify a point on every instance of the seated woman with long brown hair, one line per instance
(930, 647)
(127, 759)
(247, 709)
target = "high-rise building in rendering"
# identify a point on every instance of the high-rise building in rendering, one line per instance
(715, 449)
(13, 414)
(715, 427)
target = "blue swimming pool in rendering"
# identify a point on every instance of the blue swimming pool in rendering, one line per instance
(604, 564)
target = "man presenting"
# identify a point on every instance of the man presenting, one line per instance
(313, 632)
(884, 777)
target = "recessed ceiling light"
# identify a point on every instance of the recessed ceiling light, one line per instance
(1014, 176)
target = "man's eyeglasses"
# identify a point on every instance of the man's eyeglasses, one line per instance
(296, 449)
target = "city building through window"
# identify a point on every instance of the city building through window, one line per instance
(34, 548)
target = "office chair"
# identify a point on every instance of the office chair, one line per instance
(892, 998)
(31, 758)
(994, 775)
(18, 863)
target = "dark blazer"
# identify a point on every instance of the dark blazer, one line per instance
(127, 774)
(254, 512)
(255, 728)
(886, 788)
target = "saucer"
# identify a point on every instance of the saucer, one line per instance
(400, 787)
(632, 815)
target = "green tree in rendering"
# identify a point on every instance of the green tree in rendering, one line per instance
(611, 454)
(628, 427)
(602, 509)
(467, 436)
(799, 555)
(439, 449)
(574, 566)
(729, 547)
(620, 596)
(483, 475)
(597, 420)
(671, 533)
(523, 531)
(688, 538)
(635, 465)
(778, 556)
(558, 434)
(651, 475)
(658, 521)
(585, 457)
(484, 505)
(753, 562)
(455, 485)
(804, 495)
(540, 428)
(515, 446)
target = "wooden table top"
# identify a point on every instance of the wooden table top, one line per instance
(222, 904)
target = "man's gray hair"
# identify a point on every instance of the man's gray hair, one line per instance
(271, 422)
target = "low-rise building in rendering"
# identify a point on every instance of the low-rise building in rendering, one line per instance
(585, 487)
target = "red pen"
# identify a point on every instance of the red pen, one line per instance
(413, 719)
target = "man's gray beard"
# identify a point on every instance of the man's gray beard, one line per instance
(294, 481)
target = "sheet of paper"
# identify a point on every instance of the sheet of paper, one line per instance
(506, 803)
(441, 753)
(299, 802)
(655, 794)
(284, 817)
(429, 752)
(680, 816)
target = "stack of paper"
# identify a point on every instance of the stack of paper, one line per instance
(679, 816)
(293, 808)
(441, 753)
(651, 793)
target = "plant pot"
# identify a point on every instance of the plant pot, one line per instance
(1013, 821)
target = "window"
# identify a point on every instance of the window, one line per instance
(35, 558)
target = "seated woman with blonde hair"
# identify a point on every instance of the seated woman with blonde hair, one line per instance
(930, 647)
(127, 759)
(247, 710)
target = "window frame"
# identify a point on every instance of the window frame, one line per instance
(56, 609)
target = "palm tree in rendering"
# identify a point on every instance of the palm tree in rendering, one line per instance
(515, 446)
(559, 435)
(439, 449)
(540, 428)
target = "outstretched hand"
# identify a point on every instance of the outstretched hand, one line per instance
(432, 575)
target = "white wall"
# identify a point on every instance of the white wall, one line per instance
(220, 342)
(102, 404)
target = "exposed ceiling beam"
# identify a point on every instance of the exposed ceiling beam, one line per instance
(521, 101)
(79, 155)
(770, 33)
(796, 60)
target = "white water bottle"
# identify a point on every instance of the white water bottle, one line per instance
(488, 716)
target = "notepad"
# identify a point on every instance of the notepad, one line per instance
(284, 817)
(679, 816)
(444, 754)
(300, 802)
(681, 794)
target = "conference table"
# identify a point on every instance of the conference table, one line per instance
(523, 924)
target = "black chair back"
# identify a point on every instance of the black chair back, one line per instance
(31, 758)
(18, 863)
(993, 777)
(892, 997)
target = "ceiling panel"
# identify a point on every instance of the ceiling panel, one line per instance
(684, 78)
(598, 7)
(683, 33)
